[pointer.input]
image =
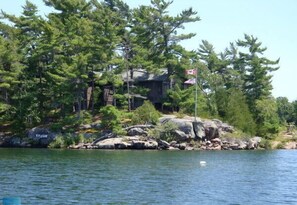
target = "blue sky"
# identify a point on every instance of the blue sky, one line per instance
(273, 22)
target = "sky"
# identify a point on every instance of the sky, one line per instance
(273, 22)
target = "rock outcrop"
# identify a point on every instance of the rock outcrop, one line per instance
(41, 137)
(190, 134)
(185, 137)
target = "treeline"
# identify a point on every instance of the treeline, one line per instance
(48, 63)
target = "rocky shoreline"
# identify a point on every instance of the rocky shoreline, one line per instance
(189, 135)
(142, 143)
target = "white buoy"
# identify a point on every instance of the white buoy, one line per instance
(202, 163)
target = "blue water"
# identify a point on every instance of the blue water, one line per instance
(42, 176)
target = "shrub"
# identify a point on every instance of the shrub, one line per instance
(146, 114)
(280, 145)
(164, 131)
(64, 141)
(79, 138)
(111, 118)
(265, 143)
(86, 117)
(57, 143)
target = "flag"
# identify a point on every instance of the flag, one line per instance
(191, 72)
(191, 81)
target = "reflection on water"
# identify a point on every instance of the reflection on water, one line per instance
(41, 176)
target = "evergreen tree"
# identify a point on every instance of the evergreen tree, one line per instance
(234, 68)
(30, 95)
(257, 71)
(294, 115)
(10, 72)
(156, 31)
(86, 44)
(237, 111)
(285, 110)
(211, 75)
(267, 119)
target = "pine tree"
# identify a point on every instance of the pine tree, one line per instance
(267, 119)
(237, 111)
(30, 95)
(10, 72)
(86, 44)
(157, 32)
(257, 70)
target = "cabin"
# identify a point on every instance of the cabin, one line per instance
(157, 85)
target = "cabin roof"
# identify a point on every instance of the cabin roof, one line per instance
(142, 75)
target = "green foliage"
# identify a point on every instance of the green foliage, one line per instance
(64, 141)
(266, 144)
(285, 110)
(86, 117)
(178, 98)
(79, 138)
(281, 145)
(183, 100)
(146, 114)
(237, 112)
(111, 118)
(57, 143)
(294, 112)
(267, 119)
(257, 71)
(164, 131)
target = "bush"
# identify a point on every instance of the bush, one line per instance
(78, 139)
(111, 118)
(57, 143)
(64, 141)
(280, 145)
(164, 131)
(265, 143)
(146, 114)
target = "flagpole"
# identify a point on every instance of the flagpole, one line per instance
(196, 95)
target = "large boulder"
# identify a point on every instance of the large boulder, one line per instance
(126, 142)
(166, 118)
(199, 129)
(13, 141)
(104, 136)
(162, 144)
(122, 145)
(109, 143)
(181, 136)
(137, 131)
(184, 125)
(224, 127)
(242, 145)
(138, 144)
(144, 144)
(41, 137)
(254, 142)
(151, 144)
(211, 130)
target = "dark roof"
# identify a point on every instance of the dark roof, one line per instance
(142, 75)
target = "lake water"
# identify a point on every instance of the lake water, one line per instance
(42, 176)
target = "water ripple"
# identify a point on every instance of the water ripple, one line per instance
(42, 176)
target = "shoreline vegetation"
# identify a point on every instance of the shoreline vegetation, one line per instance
(160, 132)
(92, 74)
